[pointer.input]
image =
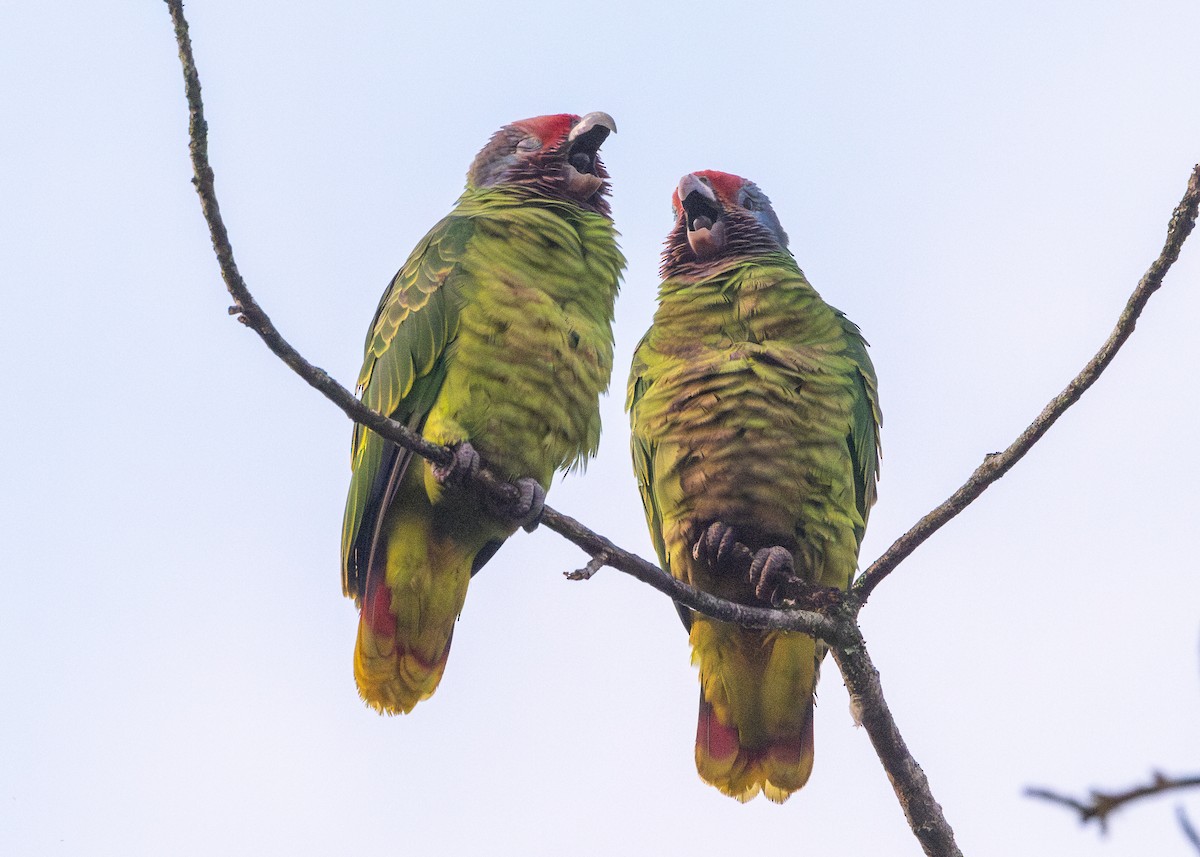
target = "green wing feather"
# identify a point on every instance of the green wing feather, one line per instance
(402, 372)
(644, 451)
(865, 420)
(643, 454)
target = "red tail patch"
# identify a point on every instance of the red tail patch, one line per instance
(718, 741)
(776, 767)
(377, 611)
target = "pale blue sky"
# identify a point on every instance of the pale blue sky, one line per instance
(979, 186)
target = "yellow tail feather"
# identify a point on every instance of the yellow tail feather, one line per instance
(408, 615)
(755, 728)
(389, 680)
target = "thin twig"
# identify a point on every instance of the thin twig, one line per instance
(997, 464)
(1100, 805)
(1185, 825)
(594, 564)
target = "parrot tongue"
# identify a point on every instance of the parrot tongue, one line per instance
(706, 241)
(582, 185)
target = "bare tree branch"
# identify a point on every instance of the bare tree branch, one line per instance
(839, 628)
(1189, 831)
(997, 464)
(245, 307)
(838, 631)
(1100, 805)
(931, 828)
(924, 814)
(831, 630)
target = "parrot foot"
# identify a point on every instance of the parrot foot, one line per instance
(526, 508)
(770, 569)
(719, 548)
(464, 467)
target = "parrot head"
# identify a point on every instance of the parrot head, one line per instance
(719, 216)
(553, 155)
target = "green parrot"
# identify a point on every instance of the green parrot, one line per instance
(495, 338)
(755, 422)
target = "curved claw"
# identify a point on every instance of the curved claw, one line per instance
(533, 501)
(770, 569)
(464, 467)
(719, 548)
(526, 510)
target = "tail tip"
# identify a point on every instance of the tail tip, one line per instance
(391, 679)
(776, 769)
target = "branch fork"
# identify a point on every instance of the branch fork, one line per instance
(834, 619)
(1100, 805)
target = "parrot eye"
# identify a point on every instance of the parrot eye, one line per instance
(529, 144)
(750, 203)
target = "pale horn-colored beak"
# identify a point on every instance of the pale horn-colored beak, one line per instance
(692, 183)
(584, 142)
(598, 119)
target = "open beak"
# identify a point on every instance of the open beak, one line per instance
(583, 143)
(703, 217)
